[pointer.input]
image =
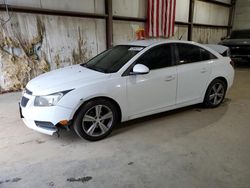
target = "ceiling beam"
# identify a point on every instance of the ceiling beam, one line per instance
(217, 3)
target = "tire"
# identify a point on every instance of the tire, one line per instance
(96, 119)
(215, 93)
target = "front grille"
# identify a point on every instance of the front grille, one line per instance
(240, 50)
(44, 124)
(24, 101)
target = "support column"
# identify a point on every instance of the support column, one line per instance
(231, 17)
(190, 20)
(109, 23)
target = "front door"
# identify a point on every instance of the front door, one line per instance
(157, 89)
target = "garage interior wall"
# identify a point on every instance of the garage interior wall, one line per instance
(242, 12)
(31, 44)
(206, 13)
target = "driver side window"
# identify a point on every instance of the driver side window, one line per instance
(157, 57)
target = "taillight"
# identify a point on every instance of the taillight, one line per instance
(232, 63)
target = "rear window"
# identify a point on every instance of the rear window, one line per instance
(189, 53)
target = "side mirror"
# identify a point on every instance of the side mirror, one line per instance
(140, 69)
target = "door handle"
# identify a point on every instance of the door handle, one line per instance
(169, 78)
(203, 70)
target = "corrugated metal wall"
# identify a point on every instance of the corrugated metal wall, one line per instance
(89, 6)
(242, 12)
(123, 30)
(207, 13)
(32, 44)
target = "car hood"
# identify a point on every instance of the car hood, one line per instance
(233, 42)
(64, 79)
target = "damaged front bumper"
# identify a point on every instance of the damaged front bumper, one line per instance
(32, 125)
(42, 119)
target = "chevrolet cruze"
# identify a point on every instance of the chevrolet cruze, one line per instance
(125, 82)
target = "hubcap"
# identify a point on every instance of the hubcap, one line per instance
(97, 120)
(216, 94)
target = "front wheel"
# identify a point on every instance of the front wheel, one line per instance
(96, 119)
(215, 93)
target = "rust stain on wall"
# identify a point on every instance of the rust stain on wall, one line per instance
(21, 59)
(79, 55)
(31, 45)
(57, 61)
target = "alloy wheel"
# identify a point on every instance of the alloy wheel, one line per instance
(97, 120)
(216, 94)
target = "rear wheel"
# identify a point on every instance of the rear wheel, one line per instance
(96, 120)
(215, 93)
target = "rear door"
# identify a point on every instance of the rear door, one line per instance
(193, 70)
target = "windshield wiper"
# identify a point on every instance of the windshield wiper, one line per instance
(84, 64)
(94, 68)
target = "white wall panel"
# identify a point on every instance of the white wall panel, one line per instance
(31, 45)
(131, 8)
(182, 10)
(28, 3)
(207, 13)
(125, 31)
(208, 35)
(242, 15)
(180, 32)
(89, 6)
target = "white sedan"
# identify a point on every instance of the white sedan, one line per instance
(128, 81)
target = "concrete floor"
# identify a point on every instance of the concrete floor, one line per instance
(191, 147)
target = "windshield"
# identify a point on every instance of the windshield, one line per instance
(243, 34)
(112, 60)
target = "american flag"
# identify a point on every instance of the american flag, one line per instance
(160, 18)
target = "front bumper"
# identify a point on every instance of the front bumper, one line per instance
(31, 124)
(31, 114)
(240, 58)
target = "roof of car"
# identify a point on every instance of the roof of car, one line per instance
(149, 42)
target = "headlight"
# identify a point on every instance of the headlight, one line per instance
(49, 100)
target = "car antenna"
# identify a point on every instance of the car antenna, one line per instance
(181, 36)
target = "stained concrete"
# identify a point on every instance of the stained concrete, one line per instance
(190, 147)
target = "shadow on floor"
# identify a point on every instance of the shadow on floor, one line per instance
(185, 118)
